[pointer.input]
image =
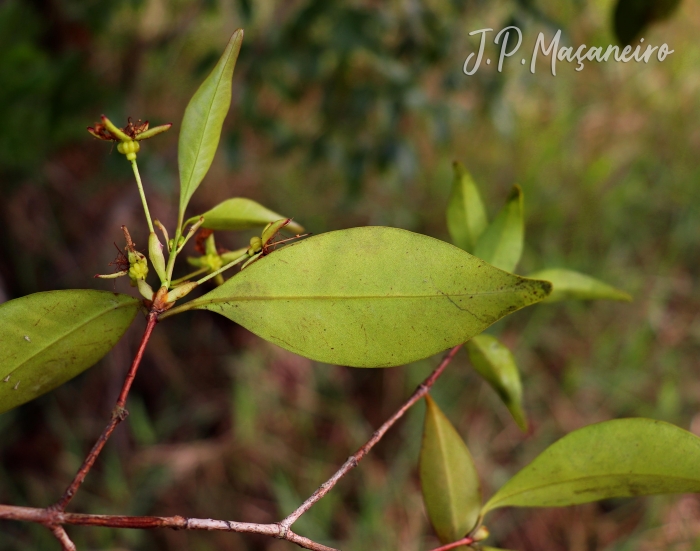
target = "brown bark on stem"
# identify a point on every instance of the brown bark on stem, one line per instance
(118, 415)
(353, 460)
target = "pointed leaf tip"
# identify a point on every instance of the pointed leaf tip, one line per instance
(501, 244)
(466, 216)
(571, 285)
(203, 121)
(495, 363)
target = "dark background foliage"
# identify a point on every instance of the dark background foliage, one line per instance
(346, 114)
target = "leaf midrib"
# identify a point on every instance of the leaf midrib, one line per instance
(198, 302)
(76, 328)
(207, 123)
(441, 436)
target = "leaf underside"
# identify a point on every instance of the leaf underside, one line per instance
(370, 297)
(620, 458)
(49, 338)
(449, 481)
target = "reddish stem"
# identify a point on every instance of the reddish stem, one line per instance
(455, 544)
(119, 413)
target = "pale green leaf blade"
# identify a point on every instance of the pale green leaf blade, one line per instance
(620, 458)
(495, 363)
(203, 120)
(239, 213)
(49, 338)
(370, 297)
(449, 481)
(570, 285)
(501, 244)
(466, 216)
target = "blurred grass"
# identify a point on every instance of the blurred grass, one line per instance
(346, 114)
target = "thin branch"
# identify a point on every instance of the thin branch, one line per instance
(119, 413)
(455, 544)
(55, 519)
(62, 537)
(353, 460)
(55, 516)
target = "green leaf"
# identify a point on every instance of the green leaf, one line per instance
(202, 122)
(632, 17)
(501, 244)
(494, 362)
(448, 477)
(370, 297)
(570, 285)
(625, 457)
(49, 338)
(241, 214)
(466, 216)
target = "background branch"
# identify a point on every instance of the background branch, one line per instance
(353, 460)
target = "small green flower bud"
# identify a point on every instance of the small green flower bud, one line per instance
(155, 253)
(255, 245)
(481, 534)
(271, 229)
(145, 289)
(181, 290)
(138, 269)
(213, 261)
(210, 245)
(129, 148)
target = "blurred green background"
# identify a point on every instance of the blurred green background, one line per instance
(347, 114)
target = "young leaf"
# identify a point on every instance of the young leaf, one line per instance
(202, 122)
(501, 244)
(570, 285)
(448, 477)
(49, 338)
(494, 362)
(369, 297)
(466, 216)
(241, 214)
(625, 457)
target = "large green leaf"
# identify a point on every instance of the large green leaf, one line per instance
(466, 216)
(448, 477)
(202, 122)
(494, 362)
(49, 338)
(241, 214)
(625, 457)
(501, 244)
(570, 285)
(370, 297)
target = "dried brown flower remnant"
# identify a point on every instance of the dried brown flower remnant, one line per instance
(137, 131)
